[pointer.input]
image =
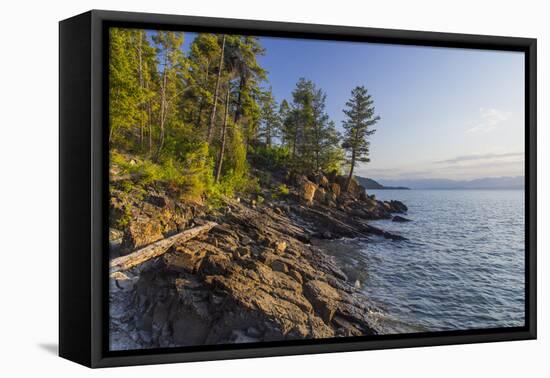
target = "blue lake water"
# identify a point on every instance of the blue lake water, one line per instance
(462, 266)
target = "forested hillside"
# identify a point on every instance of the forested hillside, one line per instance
(219, 193)
(197, 119)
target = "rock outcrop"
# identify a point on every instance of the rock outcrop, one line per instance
(253, 277)
(213, 290)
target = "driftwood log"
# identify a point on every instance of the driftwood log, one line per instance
(156, 249)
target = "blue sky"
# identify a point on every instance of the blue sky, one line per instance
(445, 113)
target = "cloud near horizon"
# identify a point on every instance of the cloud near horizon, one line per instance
(475, 157)
(490, 118)
(457, 168)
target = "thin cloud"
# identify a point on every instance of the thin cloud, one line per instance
(490, 118)
(475, 157)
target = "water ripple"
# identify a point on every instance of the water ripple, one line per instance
(461, 268)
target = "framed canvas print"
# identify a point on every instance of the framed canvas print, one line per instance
(233, 188)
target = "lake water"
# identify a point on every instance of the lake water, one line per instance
(462, 266)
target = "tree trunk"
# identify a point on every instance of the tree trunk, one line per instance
(202, 100)
(213, 113)
(156, 249)
(238, 111)
(163, 109)
(199, 113)
(268, 136)
(224, 132)
(350, 170)
(317, 160)
(150, 111)
(140, 74)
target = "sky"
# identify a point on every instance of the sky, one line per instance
(445, 113)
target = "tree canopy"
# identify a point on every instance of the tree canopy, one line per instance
(195, 118)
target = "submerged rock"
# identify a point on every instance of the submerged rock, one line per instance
(398, 207)
(398, 218)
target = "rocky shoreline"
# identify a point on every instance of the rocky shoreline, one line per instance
(256, 276)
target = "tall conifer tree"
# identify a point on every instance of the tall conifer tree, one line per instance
(358, 128)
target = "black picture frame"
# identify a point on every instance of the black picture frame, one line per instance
(83, 181)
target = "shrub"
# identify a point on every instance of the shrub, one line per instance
(281, 191)
(271, 157)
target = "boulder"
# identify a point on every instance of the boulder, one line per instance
(332, 175)
(296, 275)
(363, 194)
(323, 182)
(327, 235)
(141, 232)
(115, 239)
(157, 200)
(397, 218)
(122, 281)
(323, 297)
(242, 252)
(398, 207)
(279, 266)
(115, 235)
(335, 189)
(184, 259)
(320, 195)
(269, 298)
(355, 189)
(215, 264)
(280, 246)
(307, 191)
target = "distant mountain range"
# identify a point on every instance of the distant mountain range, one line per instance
(369, 183)
(517, 182)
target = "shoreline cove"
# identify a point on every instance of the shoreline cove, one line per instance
(288, 268)
(257, 275)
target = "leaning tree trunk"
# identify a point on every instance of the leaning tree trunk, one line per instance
(348, 182)
(150, 116)
(213, 113)
(140, 74)
(163, 111)
(202, 99)
(238, 108)
(224, 136)
(268, 136)
(294, 141)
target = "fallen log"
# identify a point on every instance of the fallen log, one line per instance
(156, 249)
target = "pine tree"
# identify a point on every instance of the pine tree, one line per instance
(332, 155)
(307, 131)
(246, 52)
(172, 64)
(146, 68)
(288, 126)
(210, 129)
(270, 123)
(123, 87)
(202, 58)
(358, 128)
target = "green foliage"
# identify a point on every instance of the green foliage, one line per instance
(307, 131)
(281, 191)
(358, 125)
(192, 121)
(271, 122)
(190, 177)
(270, 157)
